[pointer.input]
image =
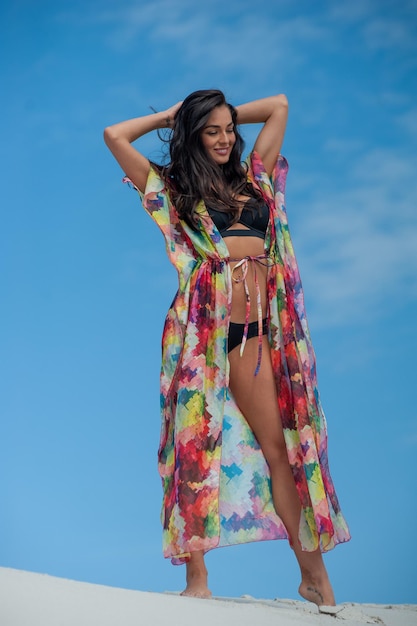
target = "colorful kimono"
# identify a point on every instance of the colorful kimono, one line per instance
(216, 482)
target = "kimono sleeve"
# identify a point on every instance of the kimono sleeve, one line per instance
(157, 203)
(271, 185)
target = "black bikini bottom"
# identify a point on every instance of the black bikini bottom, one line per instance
(236, 332)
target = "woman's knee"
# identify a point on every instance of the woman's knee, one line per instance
(275, 453)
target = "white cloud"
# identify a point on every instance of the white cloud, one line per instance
(353, 11)
(358, 245)
(216, 35)
(387, 33)
(379, 26)
(343, 145)
(408, 121)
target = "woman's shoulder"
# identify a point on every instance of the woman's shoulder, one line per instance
(255, 163)
(258, 174)
(156, 189)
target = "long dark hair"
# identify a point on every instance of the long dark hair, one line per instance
(191, 175)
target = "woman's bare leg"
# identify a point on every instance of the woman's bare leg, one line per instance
(257, 399)
(196, 577)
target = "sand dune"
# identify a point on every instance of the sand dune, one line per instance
(29, 599)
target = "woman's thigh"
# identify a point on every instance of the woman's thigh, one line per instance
(256, 396)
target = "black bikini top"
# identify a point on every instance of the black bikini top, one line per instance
(253, 216)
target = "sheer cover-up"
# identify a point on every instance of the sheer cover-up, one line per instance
(216, 483)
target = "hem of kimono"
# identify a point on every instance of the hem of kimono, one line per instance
(272, 531)
(183, 558)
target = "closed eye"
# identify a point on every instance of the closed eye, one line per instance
(214, 131)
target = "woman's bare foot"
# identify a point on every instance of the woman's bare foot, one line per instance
(316, 589)
(196, 577)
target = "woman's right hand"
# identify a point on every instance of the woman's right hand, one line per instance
(171, 113)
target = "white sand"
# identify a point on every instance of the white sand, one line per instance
(29, 599)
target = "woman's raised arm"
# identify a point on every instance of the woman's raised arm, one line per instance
(273, 113)
(119, 139)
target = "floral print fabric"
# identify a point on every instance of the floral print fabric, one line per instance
(216, 484)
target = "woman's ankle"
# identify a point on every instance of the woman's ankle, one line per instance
(196, 577)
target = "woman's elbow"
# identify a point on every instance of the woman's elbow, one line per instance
(109, 135)
(282, 100)
(280, 107)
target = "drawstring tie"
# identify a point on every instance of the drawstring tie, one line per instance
(243, 265)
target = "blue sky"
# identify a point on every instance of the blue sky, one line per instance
(85, 283)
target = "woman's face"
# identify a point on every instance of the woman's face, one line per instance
(218, 135)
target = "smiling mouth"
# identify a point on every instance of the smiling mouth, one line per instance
(222, 150)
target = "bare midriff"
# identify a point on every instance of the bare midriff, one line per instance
(241, 248)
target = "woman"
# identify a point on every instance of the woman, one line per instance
(243, 451)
